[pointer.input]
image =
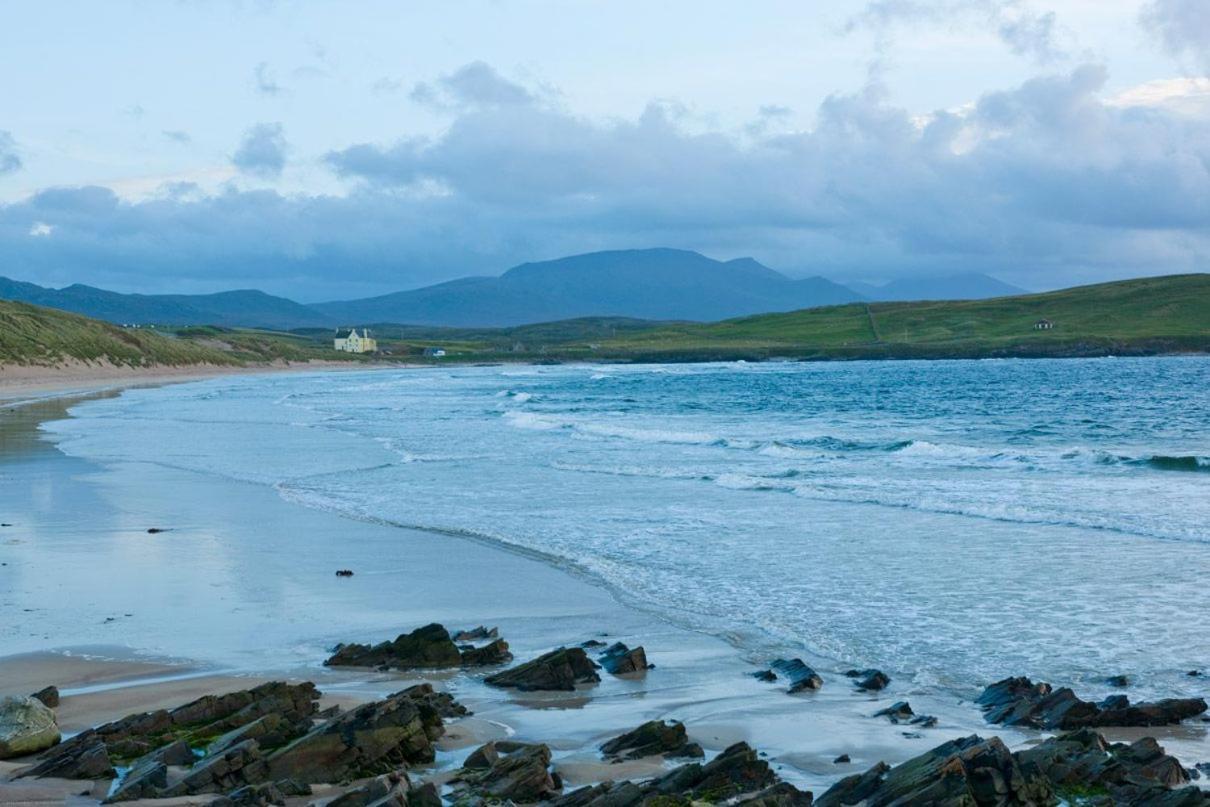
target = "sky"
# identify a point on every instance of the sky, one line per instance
(333, 150)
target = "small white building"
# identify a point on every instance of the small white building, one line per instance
(1043, 325)
(352, 342)
(434, 352)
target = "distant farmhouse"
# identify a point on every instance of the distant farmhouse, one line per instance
(352, 342)
(434, 352)
(1043, 325)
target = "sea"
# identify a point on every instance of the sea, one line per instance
(951, 522)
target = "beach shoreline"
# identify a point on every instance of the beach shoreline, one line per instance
(699, 679)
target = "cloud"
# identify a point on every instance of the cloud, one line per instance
(177, 136)
(1044, 184)
(41, 229)
(262, 152)
(473, 85)
(10, 162)
(1026, 32)
(266, 83)
(1183, 28)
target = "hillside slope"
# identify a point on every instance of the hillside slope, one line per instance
(32, 335)
(654, 284)
(1147, 315)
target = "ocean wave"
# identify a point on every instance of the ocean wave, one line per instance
(1163, 462)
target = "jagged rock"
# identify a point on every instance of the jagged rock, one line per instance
(482, 757)
(390, 790)
(262, 795)
(1118, 681)
(494, 653)
(870, 680)
(901, 712)
(559, 669)
(197, 721)
(270, 731)
(478, 634)
(737, 775)
(75, 760)
(843, 759)
(782, 794)
(1082, 761)
(233, 768)
(27, 726)
(592, 643)
(48, 695)
(429, 647)
(519, 775)
(434, 704)
(768, 676)
(1021, 702)
(653, 737)
(966, 771)
(148, 775)
(371, 739)
(799, 674)
(618, 659)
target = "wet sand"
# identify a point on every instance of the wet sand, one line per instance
(242, 589)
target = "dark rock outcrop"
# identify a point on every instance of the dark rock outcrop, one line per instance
(493, 653)
(197, 723)
(478, 634)
(426, 648)
(368, 740)
(516, 772)
(870, 680)
(768, 676)
(966, 771)
(798, 674)
(737, 775)
(901, 712)
(1118, 680)
(1021, 702)
(559, 669)
(618, 659)
(48, 695)
(653, 737)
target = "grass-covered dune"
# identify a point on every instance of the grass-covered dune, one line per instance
(31, 335)
(1151, 315)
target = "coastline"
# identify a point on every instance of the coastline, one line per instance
(699, 679)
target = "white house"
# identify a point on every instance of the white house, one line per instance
(352, 342)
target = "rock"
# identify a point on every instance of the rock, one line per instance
(1194, 673)
(782, 794)
(494, 653)
(872, 680)
(618, 659)
(966, 771)
(75, 760)
(157, 530)
(799, 674)
(1081, 761)
(429, 647)
(27, 726)
(476, 634)
(1118, 681)
(559, 669)
(148, 775)
(1020, 702)
(482, 757)
(390, 790)
(901, 712)
(843, 759)
(344, 572)
(521, 775)
(652, 738)
(271, 731)
(49, 696)
(768, 676)
(196, 722)
(233, 768)
(371, 739)
(591, 643)
(898, 712)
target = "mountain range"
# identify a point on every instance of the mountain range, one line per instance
(652, 284)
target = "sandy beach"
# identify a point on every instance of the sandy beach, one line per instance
(257, 574)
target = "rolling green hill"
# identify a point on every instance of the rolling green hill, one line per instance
(1148, 315)
(32, 335)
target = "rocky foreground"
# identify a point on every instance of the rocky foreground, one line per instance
(271, 744)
